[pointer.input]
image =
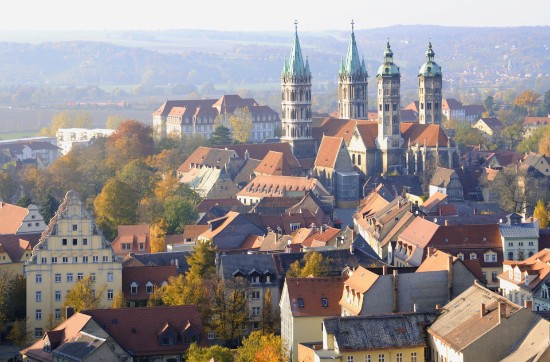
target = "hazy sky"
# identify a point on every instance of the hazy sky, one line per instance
(265, 15)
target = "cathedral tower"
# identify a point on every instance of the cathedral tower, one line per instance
(296, 102)
(429, 90)
(352, 84)
(389, 137)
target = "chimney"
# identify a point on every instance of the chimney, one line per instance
(415, 307)
(69, 311)
(384, 270)
(501, 311)
(395, 292)
(447, 223)
(483, 310)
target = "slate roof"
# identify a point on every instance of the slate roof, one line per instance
(178, 258)
(141, 275)
(312, 291)
(451, 103)
(80, 347)
(230, 263)
(396, 184)
(519, 231)
(492, 122)
(363, 333)
(461, 322)
(441, 177)
(258, 151)
(136, 329)
(226, 204)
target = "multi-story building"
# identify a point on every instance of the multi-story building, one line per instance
(429, 90)
(40, 151)
(20, 220)
(71, 248)
(67, 138)
(519, 240)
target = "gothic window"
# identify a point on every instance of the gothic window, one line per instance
(386, 107)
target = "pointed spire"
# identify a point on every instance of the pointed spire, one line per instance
(430, 53)
(388, 54)
(353, 63)
(295, 65)
(342, 66)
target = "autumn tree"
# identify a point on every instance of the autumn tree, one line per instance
(229, 308)
(115, 205)
(260, 347)
(313, 265)
(67, 119)
(544, 144)
(158, 236)
(114, 121)
(131, 140)
(19, 334)
(529, 100)
(84, 295)
(546, 102)
(138, 175)
(118, 300)
(241, 124)
(5, 287)
(541, 213)
(268, 319)
(217, 353)
(8, 186)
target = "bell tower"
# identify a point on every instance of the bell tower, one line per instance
(429, 90)
(352, 84)
(296, 102)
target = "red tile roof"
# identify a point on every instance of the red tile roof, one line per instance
(321, 237)
(207, 204)
(142, 275)
(137, 329)
(328, 151)
(429, 134)
(11, 217)
(536, 121)
(275, 163)
(265, 185)
(135, 235)
(258, 151)
(17, 245)
(312, 291)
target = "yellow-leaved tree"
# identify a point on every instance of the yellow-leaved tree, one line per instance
(541, 213)
(241, 124)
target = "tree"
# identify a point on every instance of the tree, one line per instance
(24, 201)
(528, 99)
(489, 104)
(83, 295)
(544, 145)
(206, 354)
(139, 176)
(48, 207)
(268, 319)
(5, 287)
(178, 212)
(67, 119)
(202, 260)
(241, 123)
(230, 309)
(261, 348)
(114, 121)
(118, 300)
(115, 205)
(19, 334)
(541, 213)
(221, 136)
(314, 265)
(158, 236)
(131, 140)
(546, 102)
(8, 186)
(466, 135)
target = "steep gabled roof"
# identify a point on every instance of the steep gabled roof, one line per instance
(275, 163)
(311, 291)
(141, 275)
(431, 135)
(11, 217)
(258, 151)
(327, 154)
(442, 177)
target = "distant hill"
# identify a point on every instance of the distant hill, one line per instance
(195, 56)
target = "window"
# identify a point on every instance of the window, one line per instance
(84, 259)
(324, 302)
(490, 258)
(133, 288)
(413, 357)
(300, 302)
(54, 259)
(510, 243)
(255, 310)
(149, 288)
(95, 259)
(75, 227)
(211, 335)
(350, 358)
(255, 279)
(38, 278)
(473, 256)
(256, 295)
(294, 226)
(544, 293)
(58, 277)
(255, 325)
(105, 258)
(58, 295)
(494, 276)
(511, 255)
(367, 358)
(381, 358)
(386, 107)
(141, 246)
(460, 256)
(57, 314)
(38, 333)
(109, 277)
(268, 278)
(93, 276)
(75, 241)
(64, 242)
(38, 314)
(399, 357)
(38, 296)
(44, 260)
(79, 276)
(69, 277)
(65, 259)
(521, 243)
(110, 294)
(531, 243)
(84, 241)
(75, 259)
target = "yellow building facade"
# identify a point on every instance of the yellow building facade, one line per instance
(71, 248)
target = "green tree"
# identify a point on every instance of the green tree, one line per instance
(531, 144)
(206, 354)
(84, 295)
(8, 186)
(221, 136)
(241, 124)
(541, 213)
(138, 175)
(260, 347)
(48, 207)
(24, 201)
(489, 104)
(202, 260)
(114, 121)
(19, 334)
(546, 102)
(314, 265)
(466, 136)
(115, 205)
(6, 280)
(178, 212)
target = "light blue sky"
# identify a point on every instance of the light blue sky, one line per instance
(261, 15)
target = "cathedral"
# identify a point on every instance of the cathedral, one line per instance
(382, 144)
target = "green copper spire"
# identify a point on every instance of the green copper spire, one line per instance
(353, 63)
(295, 66)
(430, 68)
(388, 68)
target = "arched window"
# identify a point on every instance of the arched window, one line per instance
(149, 288)
(133, 288)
